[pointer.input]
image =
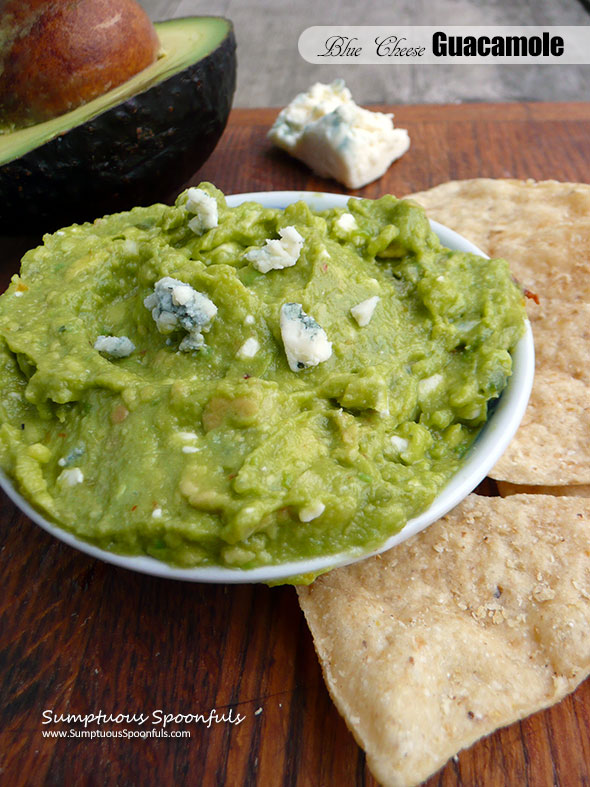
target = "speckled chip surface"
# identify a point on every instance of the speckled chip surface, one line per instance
(480, 620)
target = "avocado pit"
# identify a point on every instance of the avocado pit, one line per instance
(60, 54)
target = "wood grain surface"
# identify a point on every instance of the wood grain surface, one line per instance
(80, 636)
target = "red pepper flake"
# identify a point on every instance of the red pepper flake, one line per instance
(61, 434)
(246, 377)
(325, 267)
(133, 508)
(532, 295)
(231, 476)
(142, 352)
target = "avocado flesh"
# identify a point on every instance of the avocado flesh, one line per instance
(183, 42)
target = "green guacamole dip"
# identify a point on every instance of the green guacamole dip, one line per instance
(315, 408)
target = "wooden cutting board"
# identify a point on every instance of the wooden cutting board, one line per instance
(80, 636)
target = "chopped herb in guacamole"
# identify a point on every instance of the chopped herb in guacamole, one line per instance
(296, 383)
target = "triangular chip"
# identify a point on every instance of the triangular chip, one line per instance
(552, 445)
(480, 620)
(505, 488)
(543, 230)
(562, 336)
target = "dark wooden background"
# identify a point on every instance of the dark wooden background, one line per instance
(80, 636)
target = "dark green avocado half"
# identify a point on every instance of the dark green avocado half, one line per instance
(132, 146)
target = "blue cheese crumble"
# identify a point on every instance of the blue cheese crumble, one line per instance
(71, 476)
(364, 310)
(399, 443)
(249, 348)
(115, 346)
(312, 511)
(336, 138)
(73, 456)
(428, 385)
(175, 305)
(306, 343)
(347, 223)
(277, 253)
(204, 206)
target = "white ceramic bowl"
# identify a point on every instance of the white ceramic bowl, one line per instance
(483, 455)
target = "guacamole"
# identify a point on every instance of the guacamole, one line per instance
(246, 386)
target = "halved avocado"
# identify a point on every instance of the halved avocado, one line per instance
(131, 146)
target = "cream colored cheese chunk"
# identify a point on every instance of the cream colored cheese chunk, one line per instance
(336, 138)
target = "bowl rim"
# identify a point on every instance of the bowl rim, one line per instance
(489, 445)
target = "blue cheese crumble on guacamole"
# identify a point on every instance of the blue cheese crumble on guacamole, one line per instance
(253, 387)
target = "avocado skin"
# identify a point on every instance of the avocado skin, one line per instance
(134, 153)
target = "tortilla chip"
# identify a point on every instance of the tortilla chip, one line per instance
(561, 330)
(505, 488)
(543, 230)
(552, 445)
(480, 620)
